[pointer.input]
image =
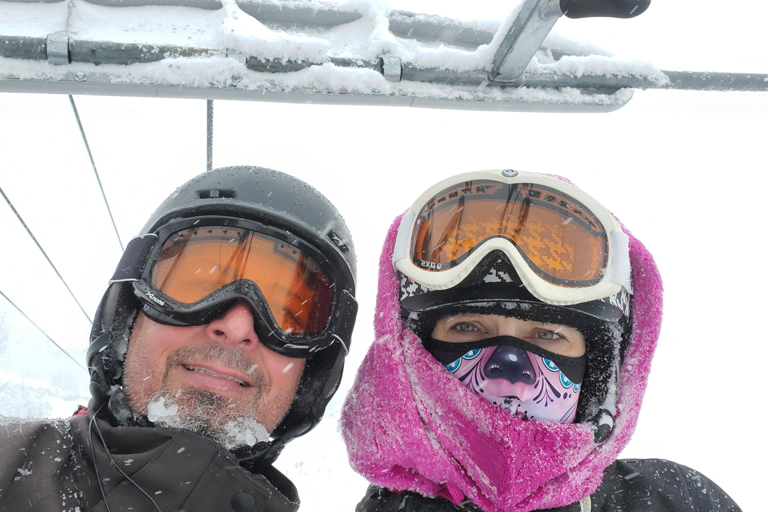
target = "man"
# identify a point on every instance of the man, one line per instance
(220, 338)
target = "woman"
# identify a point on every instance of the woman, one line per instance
(515, 326)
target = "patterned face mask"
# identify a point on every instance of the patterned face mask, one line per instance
(521, 378)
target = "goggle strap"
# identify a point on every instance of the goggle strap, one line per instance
(403, 233)
(620, 270)
(347, 312)
(133, 259)
(341, 341)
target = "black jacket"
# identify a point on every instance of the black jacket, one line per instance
(648, 485)
(63, 466)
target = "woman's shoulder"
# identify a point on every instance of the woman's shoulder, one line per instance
(378, 499)
(629, 485)
(659, 485)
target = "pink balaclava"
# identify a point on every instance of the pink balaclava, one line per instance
(411, 425)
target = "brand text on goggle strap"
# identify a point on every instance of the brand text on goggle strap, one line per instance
(151, 296)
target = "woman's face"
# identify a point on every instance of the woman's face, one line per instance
(466, 327)
(527, 385)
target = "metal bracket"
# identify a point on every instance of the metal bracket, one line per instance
(57, 48)
(391, 68)
(524, 37)
(239, 56)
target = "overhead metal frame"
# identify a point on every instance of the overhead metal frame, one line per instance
(71, 62)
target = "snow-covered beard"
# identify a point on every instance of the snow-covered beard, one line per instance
(229, 423)
(207, 417)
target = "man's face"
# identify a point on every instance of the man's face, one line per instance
(215, 372)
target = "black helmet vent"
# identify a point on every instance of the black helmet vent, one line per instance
(336, 239)
(216, 193)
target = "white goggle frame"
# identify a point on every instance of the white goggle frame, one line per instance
(617, 273)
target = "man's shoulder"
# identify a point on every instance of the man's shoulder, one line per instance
(660, 485)
(25, 429)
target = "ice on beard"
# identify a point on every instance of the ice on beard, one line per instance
(236, 432)
(157, 410)
(244, 432)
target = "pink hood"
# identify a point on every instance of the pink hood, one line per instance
(410, 425)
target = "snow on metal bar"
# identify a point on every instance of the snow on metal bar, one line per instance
(306, 51)
(523, 38)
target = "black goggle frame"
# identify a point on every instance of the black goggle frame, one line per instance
(142, 253)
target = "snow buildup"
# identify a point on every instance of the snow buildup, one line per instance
(601, 65)
(157, 410)
(367, 38)
(229, 28)
(238, 431)
(245, 33)
(462, 60)
(244, 431)
(233, 34)
(32, 19)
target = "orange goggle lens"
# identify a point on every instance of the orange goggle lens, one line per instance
(560, 239)
(194, 263)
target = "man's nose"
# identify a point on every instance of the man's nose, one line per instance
(235, 327)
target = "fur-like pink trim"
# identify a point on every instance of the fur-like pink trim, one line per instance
(410, 425)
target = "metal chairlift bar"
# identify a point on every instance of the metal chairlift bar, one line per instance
(97, 52)
(715, 81)
(437, 29)
(524, 37)
(19, 47)
(319, 15)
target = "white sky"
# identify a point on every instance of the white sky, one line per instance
(683, 170)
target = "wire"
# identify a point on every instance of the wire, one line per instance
(210, 135)
(44, 254)
(42, 331)
(93, 456)
(114, 463)
(95, 171)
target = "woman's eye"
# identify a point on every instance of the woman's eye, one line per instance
(547, 335)
(465, 327)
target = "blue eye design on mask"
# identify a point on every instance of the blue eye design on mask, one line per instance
(565, 381)
(472, 354)
(551, 366)
(576, 388)
(452, 367)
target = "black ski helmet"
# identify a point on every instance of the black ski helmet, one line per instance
(273, 199)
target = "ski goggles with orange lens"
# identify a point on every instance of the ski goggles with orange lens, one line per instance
(194, 270)
(564, 245)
